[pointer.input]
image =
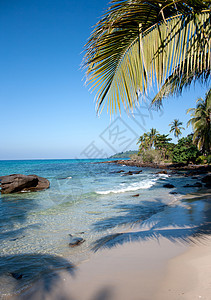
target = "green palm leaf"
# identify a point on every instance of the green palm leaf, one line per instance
(139, 44)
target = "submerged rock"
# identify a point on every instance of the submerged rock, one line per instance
(17, 276)
(197, 184)
(17, 183)
(207, 180)
(168, 185)
(133, 172)
(75, 241)
(162, 172)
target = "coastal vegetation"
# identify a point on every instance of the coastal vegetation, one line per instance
(176, 128)
(140, 45)
(125, 154)
(200, 121)
(164, 151)
(195, 148)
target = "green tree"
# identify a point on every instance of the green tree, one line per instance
(144, 141)
(200, 121)
(152, 136)
(176, 127)
(140, 44)
(147, 140)
(185, 151)
(162, 144)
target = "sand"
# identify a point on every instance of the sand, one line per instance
(188, 276)
(158, 266)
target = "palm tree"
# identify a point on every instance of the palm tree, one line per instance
(200, 121)
(140, 44)
(162, 144)
(147, 140)
(176, 128)
(144, 141)
(152, 136)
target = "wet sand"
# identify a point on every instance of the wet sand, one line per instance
(160, 266)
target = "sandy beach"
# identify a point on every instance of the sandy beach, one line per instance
(163, 265)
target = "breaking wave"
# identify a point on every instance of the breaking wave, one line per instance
(144, 184)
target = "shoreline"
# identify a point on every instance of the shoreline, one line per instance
(168, 166)
(141, 269)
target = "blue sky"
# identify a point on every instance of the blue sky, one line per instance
(46, 109)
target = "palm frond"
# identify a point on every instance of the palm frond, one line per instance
(140, 44)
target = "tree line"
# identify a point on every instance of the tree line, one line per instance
(195, 148)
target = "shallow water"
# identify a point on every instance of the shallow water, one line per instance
(85, 199)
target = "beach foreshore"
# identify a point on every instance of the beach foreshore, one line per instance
(163, 263)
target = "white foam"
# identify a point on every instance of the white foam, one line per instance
(144, 184)
(164, 175)
(69, 177)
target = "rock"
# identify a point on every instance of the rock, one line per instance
(162, 172)
(136, 195)
(168, 185)
(133, 172)
(197, 184)
(208, 185)
(16, 183)
(17, 276)
(117, 172)
(173, 193)
(128, 173)
(75, 241)
(207, 179)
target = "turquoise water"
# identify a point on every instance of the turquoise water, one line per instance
(85, 199)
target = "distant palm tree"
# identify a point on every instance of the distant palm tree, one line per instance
(147, 140)
(140, 44)
(144, 141)
(176, 127)
(200, 121)
(152, 136)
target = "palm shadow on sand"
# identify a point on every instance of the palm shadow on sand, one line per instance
(178, 223)
(20, 271)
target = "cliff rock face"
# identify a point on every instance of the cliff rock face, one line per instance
(16, 183)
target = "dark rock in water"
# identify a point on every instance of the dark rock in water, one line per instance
(17, 276)
(15, 239)
(162, 172)
(208, 185)
(194, 177)
(197, 184)
(173, 193)
(133, 172)
(188, 185)
(207, 179)
(16, 183)
(120, 171)
(136, 195)
(168, 185)
(137, 172)
(75, 241)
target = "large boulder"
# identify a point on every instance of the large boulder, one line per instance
(16, 183)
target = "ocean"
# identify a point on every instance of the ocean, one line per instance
(86, 199)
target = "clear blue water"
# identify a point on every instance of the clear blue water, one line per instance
(85, 199)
